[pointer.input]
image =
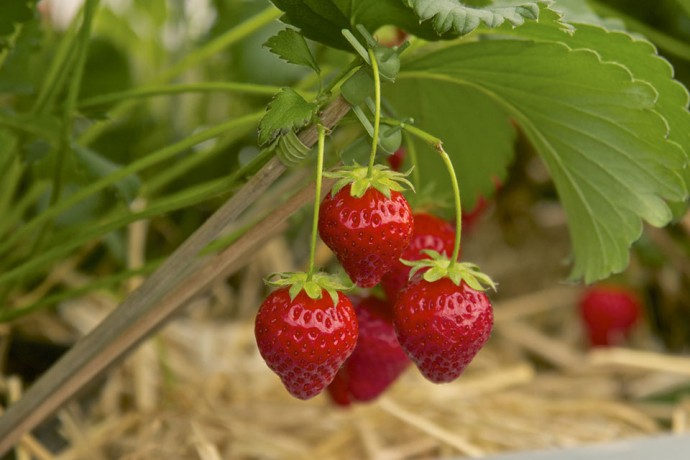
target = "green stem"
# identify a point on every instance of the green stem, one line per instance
(437, 144)
(342, 76)
(58, 70)
(65, 143)
(141, 164)
(183, 166)
(458, 205)
(28, 198)
(66, 242)
(161, 90)
(412, 150)
(70, 103)
(317, 199)
(216, 45)
(433, 141)
(108, 283)
(223, 41)
(356, 45)
(377, 112)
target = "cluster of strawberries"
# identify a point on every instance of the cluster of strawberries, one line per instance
(356, 347)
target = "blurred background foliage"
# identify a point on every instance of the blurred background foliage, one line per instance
(148, 43)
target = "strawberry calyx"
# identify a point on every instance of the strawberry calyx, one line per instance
(313, 285)
(439, 266)
(382, 178)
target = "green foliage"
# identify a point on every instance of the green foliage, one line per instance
(292, 47)
(322, 20)
(14, 13)
(607, 114)
(452, 16)
(604, 143)
(287, 111)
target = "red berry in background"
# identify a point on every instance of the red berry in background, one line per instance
(378, 359)
(305, 340)
(430, 232)
(367, 234)
(442, 326)
(396, 160)
(472, 217)
(338, 391)
(609, 313)
(395, 39)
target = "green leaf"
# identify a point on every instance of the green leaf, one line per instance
(461, 117)
(452, 16)
(290, 46)
(322, 20)
(592, 122)
(685, 4)
(639, 56)
(287, 111)
(14, 12)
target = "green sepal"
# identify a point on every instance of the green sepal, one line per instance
(382, 179)
(291, 150)
(439, 266)
(314, 287)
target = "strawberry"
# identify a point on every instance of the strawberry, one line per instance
(392, 36)
(366, 222)
(430, 232)
(442, 325)
(396, 160)
(338, 390)
(609, 313)
(378, 359)
(303, 339)
(471, 218)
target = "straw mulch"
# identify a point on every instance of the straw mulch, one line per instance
(200, 390)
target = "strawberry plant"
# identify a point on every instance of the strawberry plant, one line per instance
(105, 122)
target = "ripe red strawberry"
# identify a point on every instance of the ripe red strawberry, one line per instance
(430, 232)
(305, 340)
(609, 313)
(378, 359)
(396, 160)
(367, 234)
(338, 390)
(471, 217)
(442, 325)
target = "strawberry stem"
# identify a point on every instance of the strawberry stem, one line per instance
(317, 198)
(412, 151)
(377, 111)
(437, 144)
(458, 204)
